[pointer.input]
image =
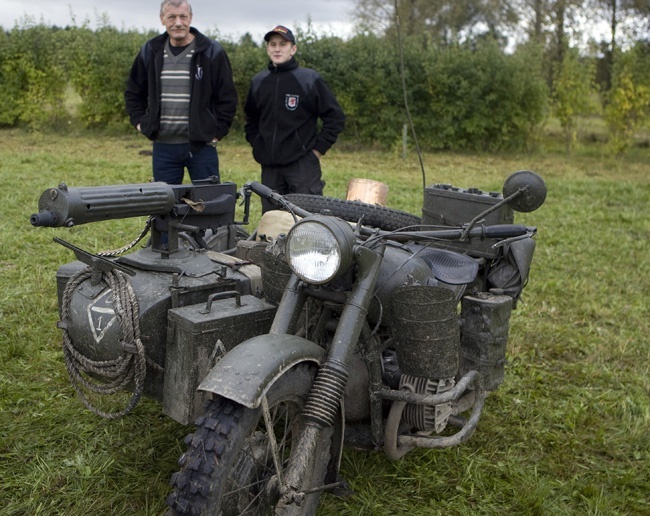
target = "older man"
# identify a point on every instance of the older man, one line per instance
(181, 95)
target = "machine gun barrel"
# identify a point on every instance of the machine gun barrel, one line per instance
(65, 206)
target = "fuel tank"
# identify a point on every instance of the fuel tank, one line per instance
(400, 266)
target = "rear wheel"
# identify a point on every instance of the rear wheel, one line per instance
(229, 467)
(373, 215)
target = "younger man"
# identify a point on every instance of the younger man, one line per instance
(284, 105)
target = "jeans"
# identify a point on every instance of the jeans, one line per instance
(171, 159)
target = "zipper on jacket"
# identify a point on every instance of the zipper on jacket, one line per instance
(275, 114)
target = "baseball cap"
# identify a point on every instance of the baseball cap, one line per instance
(282, 31)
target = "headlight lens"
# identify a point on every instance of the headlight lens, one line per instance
(319, 248)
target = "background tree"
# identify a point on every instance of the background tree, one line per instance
(573, 94)
(98, 63)
(628, 101)
(32, 80)
(627, 21)
(446, 22)
(536, 12)
(555, 24)
(482, 99)
(466, 92)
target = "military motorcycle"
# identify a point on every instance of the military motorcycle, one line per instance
(356, 326)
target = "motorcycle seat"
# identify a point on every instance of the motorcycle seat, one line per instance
(450, 267)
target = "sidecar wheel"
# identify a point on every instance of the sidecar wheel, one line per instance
(373, 215)
(225, 238)
(228, 468)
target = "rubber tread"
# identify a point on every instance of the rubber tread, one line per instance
(217, 437)
(373, 215)
(192, 483)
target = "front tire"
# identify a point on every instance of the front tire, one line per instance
(228, 468)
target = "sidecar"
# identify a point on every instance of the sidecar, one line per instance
(155, 320)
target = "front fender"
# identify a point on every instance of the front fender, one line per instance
(248, 370)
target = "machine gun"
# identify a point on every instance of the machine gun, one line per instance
(191, 209)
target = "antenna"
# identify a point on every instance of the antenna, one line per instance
(406, 102)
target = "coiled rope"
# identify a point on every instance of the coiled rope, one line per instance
(117, 373)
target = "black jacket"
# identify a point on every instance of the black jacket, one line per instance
(282, 111)
(213, 95)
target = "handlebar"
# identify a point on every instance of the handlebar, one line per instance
(275, 198)
(260, 189)
(500, 231)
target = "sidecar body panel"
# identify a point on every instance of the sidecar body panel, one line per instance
(246, 372)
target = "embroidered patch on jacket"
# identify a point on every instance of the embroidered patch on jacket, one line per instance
(291, 102)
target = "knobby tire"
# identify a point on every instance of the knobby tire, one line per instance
(227, 466)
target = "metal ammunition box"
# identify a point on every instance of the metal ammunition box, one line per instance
(197, 336)
(447, 205)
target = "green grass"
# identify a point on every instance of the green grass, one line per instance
(567, 433)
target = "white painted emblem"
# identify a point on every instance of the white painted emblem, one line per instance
(101, 314)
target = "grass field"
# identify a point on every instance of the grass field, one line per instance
(567, 433)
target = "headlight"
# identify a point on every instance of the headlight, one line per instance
(319, 248)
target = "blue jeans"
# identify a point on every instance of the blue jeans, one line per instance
(171, 159)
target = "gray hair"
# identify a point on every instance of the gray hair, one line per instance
(174, 3)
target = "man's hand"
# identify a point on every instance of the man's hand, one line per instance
(318, 154)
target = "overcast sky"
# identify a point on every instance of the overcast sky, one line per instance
(230, 18)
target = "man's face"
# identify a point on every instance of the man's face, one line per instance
(177, 21)
(279, 49)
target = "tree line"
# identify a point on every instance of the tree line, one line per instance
(469, 94)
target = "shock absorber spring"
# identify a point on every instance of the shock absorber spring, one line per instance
(326, 393)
